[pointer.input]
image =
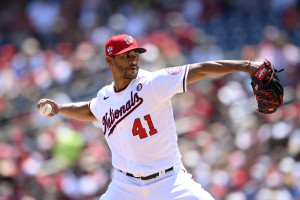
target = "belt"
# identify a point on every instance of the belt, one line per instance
(147, 177)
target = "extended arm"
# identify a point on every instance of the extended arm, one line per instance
(79, 111)
(201, 70)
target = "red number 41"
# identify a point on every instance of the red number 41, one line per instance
(138, 129)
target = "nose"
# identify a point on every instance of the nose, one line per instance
(133, 60)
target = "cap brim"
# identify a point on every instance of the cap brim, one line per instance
(139, 50)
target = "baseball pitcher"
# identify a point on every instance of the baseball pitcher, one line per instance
(136, 116)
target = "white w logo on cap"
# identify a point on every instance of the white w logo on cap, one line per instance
(128, 40)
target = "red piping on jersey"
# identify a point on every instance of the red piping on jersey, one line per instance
(184, 89)
(90, 104)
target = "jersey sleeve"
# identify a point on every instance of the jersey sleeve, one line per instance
(94, 108)
(169, 81)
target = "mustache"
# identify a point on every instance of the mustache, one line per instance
(136, 66)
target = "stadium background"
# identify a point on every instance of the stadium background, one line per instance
(55, 49)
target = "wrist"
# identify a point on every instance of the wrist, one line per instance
(59, 107)
(248, 66)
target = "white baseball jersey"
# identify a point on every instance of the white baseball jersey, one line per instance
(138, 121)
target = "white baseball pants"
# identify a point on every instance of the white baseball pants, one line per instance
(174, 185)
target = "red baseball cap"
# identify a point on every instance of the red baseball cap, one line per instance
(120, 44)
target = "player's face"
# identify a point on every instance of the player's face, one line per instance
(126, 65)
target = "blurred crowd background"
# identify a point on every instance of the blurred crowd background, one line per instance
(55, 49)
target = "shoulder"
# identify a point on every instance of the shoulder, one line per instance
(144, 76)
(147, 75)
(166, 72)
(143, 73)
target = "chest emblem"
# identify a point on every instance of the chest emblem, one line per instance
(139, 87)
(113, 117)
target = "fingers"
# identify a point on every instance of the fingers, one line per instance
(53, 104)
(54, 111)
(43, 102)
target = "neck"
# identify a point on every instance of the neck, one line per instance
(121, 84)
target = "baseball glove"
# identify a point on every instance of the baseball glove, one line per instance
(267, 88)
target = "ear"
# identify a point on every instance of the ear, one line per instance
(109, 60)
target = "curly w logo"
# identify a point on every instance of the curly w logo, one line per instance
(128, 40)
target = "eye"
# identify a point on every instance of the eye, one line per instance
(126, 55)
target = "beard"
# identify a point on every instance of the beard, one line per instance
(130, 72)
